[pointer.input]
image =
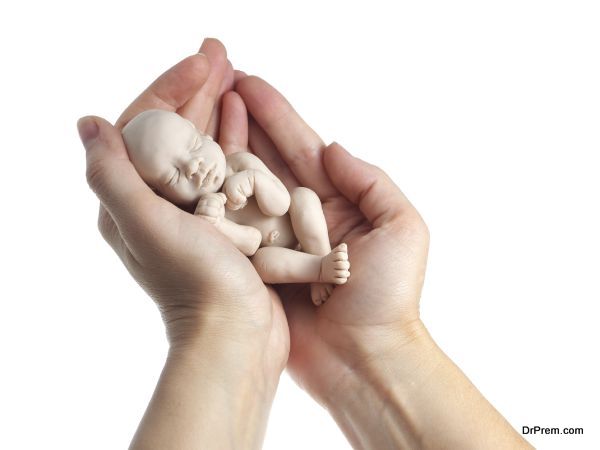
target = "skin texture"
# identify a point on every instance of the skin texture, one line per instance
(227, 331)
(254, 208)
(365, 355)
(173, 157)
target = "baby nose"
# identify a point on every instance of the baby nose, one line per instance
(191, 168)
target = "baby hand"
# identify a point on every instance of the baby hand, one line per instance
(238, 188)
(211, 207)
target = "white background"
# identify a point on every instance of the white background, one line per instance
(485, 113)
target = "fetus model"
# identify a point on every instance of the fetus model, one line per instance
(284, 233)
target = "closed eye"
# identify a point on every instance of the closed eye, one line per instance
(175, 177)
(197, 145)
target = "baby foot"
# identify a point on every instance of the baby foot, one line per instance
(335, 266)
(320, 292)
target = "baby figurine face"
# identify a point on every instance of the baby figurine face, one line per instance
(173, 157)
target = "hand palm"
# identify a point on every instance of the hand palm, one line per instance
(166, 248)
(387, 242)
(380, 295)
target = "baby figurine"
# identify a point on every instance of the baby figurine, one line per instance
(285, 234)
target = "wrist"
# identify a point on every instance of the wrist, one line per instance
(235, 346)
(401, 355)
(207, 395)
(190, 322)
(414, 396)
(230, 360)
(241, 377)
(374, 402)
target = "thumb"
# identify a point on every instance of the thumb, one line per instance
(111, 174)
(365, 185)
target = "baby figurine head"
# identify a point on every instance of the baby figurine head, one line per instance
(173, 157)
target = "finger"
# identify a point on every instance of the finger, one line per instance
(222, 197)
(234, 124)
(212, 128)
(171, 90)
(238, 75)
(262, 146)
(129, 201)
(234, 197)
(208, 211)
(199, 209)
(200, 106)
(236, 203)
(342, 265)
(215, 202)
(300, 147)
(365, 185)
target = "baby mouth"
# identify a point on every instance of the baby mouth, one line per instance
(208, 178)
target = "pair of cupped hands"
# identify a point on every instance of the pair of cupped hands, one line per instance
(207, 291)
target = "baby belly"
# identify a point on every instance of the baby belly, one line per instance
(275, 231)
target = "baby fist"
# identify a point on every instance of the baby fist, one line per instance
(238, 188)
(211, 207)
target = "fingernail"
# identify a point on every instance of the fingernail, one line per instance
(88, 130)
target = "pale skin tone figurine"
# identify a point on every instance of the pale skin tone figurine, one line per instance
(365, 355)
(254, 210)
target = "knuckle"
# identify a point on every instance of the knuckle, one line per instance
(306, 153)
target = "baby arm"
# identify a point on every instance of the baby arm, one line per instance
(211, 207)
(251, 177)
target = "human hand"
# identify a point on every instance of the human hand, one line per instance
(376, 312)
(227, 332)
(238, 188)
(211, 207)
(365, 354)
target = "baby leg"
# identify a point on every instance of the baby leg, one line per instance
(282, 265)
(310, 227)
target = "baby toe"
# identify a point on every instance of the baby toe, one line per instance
(342, 265)
(340, 256)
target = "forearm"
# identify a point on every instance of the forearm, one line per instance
(417, 398)
(208, 397)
